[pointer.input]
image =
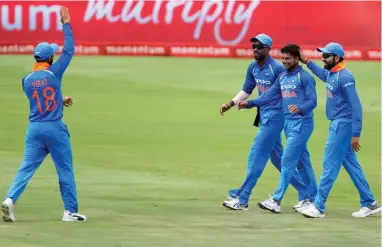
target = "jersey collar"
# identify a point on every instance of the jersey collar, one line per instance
(338, 67)
(40, 66)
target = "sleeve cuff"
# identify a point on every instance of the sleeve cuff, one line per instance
(356, 134)
(251, 104)
(302, 109)
(309, 64)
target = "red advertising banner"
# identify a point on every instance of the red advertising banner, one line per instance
(193, 28)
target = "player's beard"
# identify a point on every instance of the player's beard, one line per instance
(259, 56)
(329, 65)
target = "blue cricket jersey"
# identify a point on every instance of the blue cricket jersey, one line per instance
(43, 86)
(263, 77)
(342, 99)
(296, 87)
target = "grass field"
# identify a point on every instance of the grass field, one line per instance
(154, 159)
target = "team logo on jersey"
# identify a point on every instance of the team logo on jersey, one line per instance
(288, 91)
(285, 87)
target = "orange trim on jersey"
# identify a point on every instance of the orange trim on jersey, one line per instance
(40, 66)
(338, 67)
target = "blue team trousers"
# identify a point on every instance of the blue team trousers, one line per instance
(298, 132)
(338, 151)
(267, 144)
(43, 138)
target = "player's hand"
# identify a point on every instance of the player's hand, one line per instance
(226, 107)
(68, 101)
(355, 144)
(293, 109)
(303, 59)
(64, 15)
(242, 104)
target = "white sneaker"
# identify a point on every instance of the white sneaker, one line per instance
(270, 205)
(298, 204)
(369, 210)
(302, 205)
(229, 198)
(7, 209)
(312, 212)
(235, 205)
(73, 217)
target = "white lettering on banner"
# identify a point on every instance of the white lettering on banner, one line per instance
(104, 9)
(175, 50)
(84, 49)
(135, 12)
(374, 54)
(157, 6)
(353, 53)
(240, 17)
(16, 49)
(5, 23)
(312, 53)
(244, 52)
(46, 12)
(135, 50)
(171, 5)
(99, 9)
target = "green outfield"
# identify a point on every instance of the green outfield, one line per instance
(154, 159)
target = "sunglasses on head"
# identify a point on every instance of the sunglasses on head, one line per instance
(327, 55)
(259, 46)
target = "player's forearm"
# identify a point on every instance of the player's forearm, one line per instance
(241, 96)
(353, 99)
(357, 121)
(68, 48)
(318, 71)
(308, 106)
(311, 96)
(261, 100)
(356, 106)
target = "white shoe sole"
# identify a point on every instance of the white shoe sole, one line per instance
(232, 208)
(262, 206)
(307, 215)
(6, 210)
(72, 220)
(375, 211)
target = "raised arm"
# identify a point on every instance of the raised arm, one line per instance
(59, 67)
(317, 70)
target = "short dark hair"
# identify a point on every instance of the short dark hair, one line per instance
(292, 49)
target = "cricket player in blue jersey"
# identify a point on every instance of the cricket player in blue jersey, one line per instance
(295, 89)
(344, 110)
(267, 144)
(46, 132)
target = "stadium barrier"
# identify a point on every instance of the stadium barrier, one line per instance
(193, 28)
(185, 51)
